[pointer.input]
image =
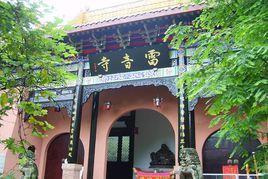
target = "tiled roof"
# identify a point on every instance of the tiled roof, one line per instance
(135, 11)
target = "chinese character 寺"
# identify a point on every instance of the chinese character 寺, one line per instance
(127, 61)
(105, 63)
(152, 57)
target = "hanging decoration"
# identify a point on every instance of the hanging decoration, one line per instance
(107, 105)
(158, 101)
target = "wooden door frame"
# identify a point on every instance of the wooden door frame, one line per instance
(120, 132)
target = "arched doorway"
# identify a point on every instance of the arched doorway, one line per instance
(133, 137)
(214, 158)
(58, 150)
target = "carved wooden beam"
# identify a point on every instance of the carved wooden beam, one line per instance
(123, 40)
(150, 35)
(99, 43)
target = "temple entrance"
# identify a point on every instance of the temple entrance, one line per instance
(132, 139)
(57, 151)
(120, 147)
(214, 158)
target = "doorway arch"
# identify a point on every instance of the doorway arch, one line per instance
(133, 137)
(57, 151)
(214, 158)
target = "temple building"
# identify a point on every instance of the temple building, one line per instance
(124, 110)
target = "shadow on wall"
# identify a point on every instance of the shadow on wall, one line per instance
(154, 130)
(132, 139)
(214, 158)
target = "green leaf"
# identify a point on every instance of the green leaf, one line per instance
(229, 65)
(3, 99)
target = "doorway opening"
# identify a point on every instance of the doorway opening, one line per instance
(57, 151)
(132, 139)
(214, 158)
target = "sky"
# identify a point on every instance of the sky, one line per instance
(69, 9)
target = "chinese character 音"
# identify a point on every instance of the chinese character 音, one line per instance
(127, 61)
(105, 63)
(152, 55)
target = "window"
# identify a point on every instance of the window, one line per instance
(118, 148)
(112, 148)
(125, 149)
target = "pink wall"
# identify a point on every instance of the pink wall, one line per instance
(202, 130)
(61, 121)
(6, 131)
(8, 123)
(123, 100)
(11, 129)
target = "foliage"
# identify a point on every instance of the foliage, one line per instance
(30, 55)
(230, 62)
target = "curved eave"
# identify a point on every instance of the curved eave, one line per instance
(138, 17)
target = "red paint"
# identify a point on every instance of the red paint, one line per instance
(229, 169)
(57, 151)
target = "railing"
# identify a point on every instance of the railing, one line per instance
(233, 176)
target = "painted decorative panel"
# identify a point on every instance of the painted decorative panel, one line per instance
(130, 59)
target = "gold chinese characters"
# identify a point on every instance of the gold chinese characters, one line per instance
(105, 63)
(127, 61)
(152, 55)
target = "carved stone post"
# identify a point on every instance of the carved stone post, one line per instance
(71, 171)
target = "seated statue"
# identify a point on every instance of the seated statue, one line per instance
(162, 158)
